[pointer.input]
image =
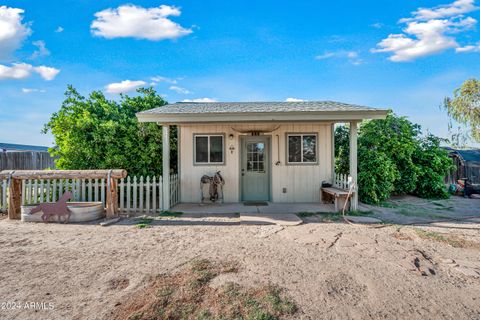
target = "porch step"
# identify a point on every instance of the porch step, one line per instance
(282, 219)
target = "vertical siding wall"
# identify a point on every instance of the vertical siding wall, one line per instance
(301, 181)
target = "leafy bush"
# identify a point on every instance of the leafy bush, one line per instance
(376, 175)
(95, 133)
(433, 165)
(342, 149)
(393, 158)
(397, 138)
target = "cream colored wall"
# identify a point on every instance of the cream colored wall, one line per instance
(302, 182)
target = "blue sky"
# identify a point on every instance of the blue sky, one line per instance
(404, 55)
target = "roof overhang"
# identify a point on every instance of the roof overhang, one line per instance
(310, 116)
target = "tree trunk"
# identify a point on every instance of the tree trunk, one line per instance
(14, 199)
(63, 174)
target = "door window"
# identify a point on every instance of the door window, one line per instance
(256, 157)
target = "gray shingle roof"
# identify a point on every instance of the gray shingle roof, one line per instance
(255, 107)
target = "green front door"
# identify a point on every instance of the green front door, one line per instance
(255, 168)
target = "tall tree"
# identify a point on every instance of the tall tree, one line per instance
(96, 133)
(464, 107)
(394, 158)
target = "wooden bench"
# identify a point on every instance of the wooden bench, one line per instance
(334, 195)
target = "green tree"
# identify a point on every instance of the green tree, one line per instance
(433, 165)
(342, 149)
(96, 133)
(397, 138)
(377, 174)
(394, 158)
(464, 107)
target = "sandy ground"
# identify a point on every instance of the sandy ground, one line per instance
(331, 270)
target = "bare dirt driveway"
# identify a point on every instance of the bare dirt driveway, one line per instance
(330, 270)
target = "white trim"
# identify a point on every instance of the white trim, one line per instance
(166, 166)
(306, 116)
(353, 163)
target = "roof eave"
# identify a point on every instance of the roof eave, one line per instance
(263, 116)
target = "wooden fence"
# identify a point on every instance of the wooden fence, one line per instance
(136, 194)
(26, 160)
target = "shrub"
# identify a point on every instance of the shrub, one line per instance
(433, 165)
(393, 158)
(376, 175)
(342, 149)
(397, 138)
(96, 133)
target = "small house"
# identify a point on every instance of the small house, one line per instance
(265, 151)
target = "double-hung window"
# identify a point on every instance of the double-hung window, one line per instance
(209, 148)
(301, 148)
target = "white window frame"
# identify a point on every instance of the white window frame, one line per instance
(301, 135)
(208, 135)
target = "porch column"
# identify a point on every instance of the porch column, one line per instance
(332, 132)
(353, 162)
(166, 166)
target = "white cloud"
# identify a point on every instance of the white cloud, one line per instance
(204, 100)
(31, 90)
(12, 31)
(41, 49)
(324, 56)
(12, 34)
(429, 31)
(469, 48)
(59, 29)
(352, 56)
(181, 90)
(23, 70)
(453, 9)
(377, 25)
(138, 22)
(16, 71)
(47, 73)
(157, 79)
(293, 100)
(124, 86)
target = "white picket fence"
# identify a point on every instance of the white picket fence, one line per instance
(135, 194)
(342, 181)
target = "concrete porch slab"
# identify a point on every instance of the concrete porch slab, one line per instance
(282, 219)
(239, 208)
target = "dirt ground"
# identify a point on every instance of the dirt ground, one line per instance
(413, 210)
(330, 270)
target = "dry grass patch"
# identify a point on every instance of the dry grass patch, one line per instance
(401, 236)
(452, 240)
(188, 295)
